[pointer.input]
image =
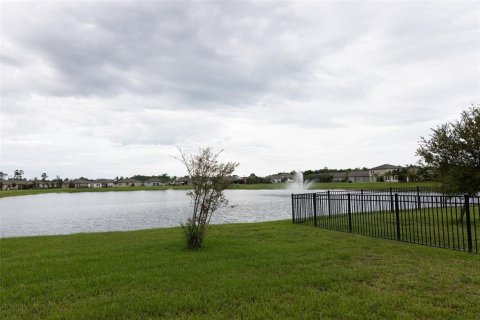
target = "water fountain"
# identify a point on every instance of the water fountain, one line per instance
(298, 183)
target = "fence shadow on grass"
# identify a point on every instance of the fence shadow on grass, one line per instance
(415, 215)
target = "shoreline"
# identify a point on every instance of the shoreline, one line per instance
(272, 186)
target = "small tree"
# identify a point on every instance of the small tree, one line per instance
(57, 182)
(165, 178)
(209, 180)
(3, 176)
(453, 150)
(35, 183)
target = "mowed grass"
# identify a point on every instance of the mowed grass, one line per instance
(273, 270)
(260, 186)
(13, 193)
(434, 226)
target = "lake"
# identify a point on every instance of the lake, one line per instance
(67, 213)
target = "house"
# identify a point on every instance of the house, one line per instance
(352, 176)
(385, 172)
(101, 183)
(107, 183)
(339, 176)
(281, 177)
(154, 182)
(94, 184)
(16, 184)
(129, 183)
(183, 181)
(80, 183)
(45, 184)
(359, 176)
(68, 184)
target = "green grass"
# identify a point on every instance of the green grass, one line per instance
(273, 270)
(12, 193)
(438, 227)
(321, 186)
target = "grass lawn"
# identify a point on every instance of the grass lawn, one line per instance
(273, 270)
(438, 227)
(320, 186)
(12, 193)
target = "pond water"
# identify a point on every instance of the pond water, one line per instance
(67, 213)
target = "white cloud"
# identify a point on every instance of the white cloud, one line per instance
(111, 88)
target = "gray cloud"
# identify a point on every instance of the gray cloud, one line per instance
(252, 77)
(155, 48)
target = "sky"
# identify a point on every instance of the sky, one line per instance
(105, 89)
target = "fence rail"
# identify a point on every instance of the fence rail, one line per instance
(427, 217)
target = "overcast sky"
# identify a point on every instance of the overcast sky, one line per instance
(105, 89)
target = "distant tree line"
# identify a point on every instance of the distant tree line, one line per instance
(410, 172)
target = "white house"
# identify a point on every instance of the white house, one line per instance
(94, 184)
(387, 171)
(154, 182)
(281, 177)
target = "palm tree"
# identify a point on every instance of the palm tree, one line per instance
(18, 174)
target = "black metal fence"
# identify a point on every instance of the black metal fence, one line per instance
(422, 216)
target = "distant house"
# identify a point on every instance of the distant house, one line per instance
(45, 184)
(80, 183)
(351, 176)
(107, 183)
(387, 172)
(339, 176)
(94, 184)
(154, 182)
(281, 177)
(129, 183)
(68, 184)
(15, 184)
(183, 181)
(359, 176)
(101, 183)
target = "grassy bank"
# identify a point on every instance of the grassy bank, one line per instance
(12, 193)
(438, 227)
(320, 186)
(272, 270)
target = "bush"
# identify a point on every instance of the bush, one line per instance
(209, 179)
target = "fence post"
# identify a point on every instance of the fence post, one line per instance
(314, 209)
(397, 216)
(419, 201)
(469, 226)
(349, 214)
(391, 200)
(293, 210)
(328, 200)
(361, 201)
